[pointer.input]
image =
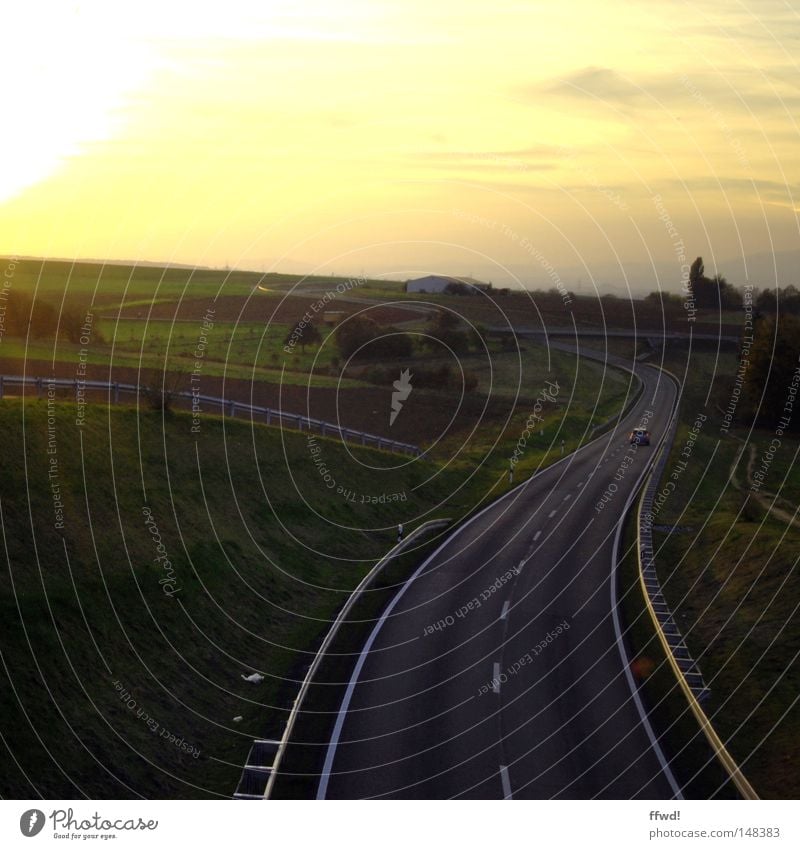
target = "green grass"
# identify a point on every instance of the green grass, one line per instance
(231, 353)
(691, 759)
(260, 572)
(263, 553)
(244, 350)
(729, 573)
(146, 283)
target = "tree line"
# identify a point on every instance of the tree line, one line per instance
(363, 339)
(25, 315)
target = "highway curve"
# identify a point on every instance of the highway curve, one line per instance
(496, 672)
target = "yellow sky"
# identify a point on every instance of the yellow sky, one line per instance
(401, 137)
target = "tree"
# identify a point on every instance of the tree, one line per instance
(445, 332)
(729, 298)
(444, 319)
(391, 344)
(773, 359)
(703, 289)
(665, 298)
(303, 334)
(160, 388)
(353, 333)
(18, 313)
(781, 301)
(72, 324)
(478, 336)
(712, 293)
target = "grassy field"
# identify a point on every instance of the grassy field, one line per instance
(263, 552)
(122, 672)
(729, 572)
(260, 554)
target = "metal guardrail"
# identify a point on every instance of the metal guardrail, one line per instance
(680, 660)
(226, 405)
(261, 749)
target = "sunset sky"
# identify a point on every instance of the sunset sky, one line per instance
(404, 137)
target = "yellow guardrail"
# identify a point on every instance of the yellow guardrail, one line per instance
(718, 747)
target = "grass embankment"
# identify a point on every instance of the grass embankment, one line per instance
(121, 672)
(260, 555)
(729, 573)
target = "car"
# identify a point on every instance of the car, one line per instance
(639, 436)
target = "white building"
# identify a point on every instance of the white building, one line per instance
(437, 283)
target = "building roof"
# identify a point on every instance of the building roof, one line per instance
(444, 279)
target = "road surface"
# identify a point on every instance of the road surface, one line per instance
(497, 673)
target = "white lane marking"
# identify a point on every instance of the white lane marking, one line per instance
(496, 678)
(504, 611)
(552, 513)
(580, 484)
(521, 564)
(506, 782)
(567, 497)
(333, 743)
(537, 535)
(623, 653)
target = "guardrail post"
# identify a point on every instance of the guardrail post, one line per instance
(39, 387)
(231, 408)
(324, 429)
(116, 393)
(1, 386)
(269, 417)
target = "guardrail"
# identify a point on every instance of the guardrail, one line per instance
(262, 749)
(680, 660)
(226, 405)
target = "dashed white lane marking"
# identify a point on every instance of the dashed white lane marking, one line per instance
(537, 535)
(552, 513)
(496, 678)
(504, 611)
(506, 782)
(521, 564)
(567, 497)
(580, 484)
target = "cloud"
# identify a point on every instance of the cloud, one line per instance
(735, 91)
(600, 83)
(540, 158)
(765, 190)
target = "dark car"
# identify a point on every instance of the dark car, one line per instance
(639, 436)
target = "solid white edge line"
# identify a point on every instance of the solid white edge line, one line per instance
(506, 782)
(337, 730)
(626, 665)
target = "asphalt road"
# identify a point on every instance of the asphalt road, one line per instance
(497, 673)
